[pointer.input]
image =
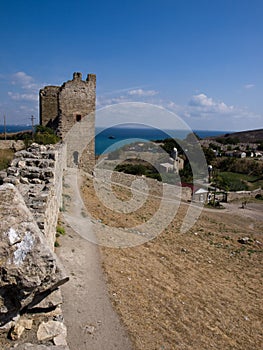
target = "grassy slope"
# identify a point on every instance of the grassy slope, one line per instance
(6, 156)
(253, 182)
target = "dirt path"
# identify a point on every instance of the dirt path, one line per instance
(251, 210)
(91, 321)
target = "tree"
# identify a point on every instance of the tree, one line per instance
(209, 155)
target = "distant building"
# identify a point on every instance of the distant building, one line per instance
(178, 164)
(229, 153)
(242, 155)
(178, 161)
(235, 153)
(201, 195)
(166, 168)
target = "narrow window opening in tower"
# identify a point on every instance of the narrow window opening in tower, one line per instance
(78, 117)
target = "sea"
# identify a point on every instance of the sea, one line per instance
(14, 128)
(108, 139)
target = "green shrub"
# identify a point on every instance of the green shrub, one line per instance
(45, 135)
(231, 181)
(61, 230)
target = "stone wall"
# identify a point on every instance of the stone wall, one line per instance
(183, 193)
(76, 99)
(12, 144)
(48, 106)
(72, 106)
(80, 144)
(246, 195)
(30, 298)
(151, 157)
(54, 200)
(37, 173)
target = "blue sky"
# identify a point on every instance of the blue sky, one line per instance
(201, 59)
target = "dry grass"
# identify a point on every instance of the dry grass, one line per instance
(111, 218)
(198, 290)
(6, 155)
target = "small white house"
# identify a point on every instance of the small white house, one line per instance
(166, 167)
(243, 155)
(200, 195)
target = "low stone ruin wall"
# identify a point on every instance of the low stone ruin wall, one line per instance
(239, 195)
(183, 193)
(30, 273)
(37, 173)
(12, 144)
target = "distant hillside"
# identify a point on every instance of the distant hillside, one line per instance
(19, 135)
(243, 136)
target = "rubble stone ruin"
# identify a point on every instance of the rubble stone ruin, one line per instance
(30, 200)
(69, 109)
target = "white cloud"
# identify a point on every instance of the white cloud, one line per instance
(20, 96)
(171, 105)
(127, 95)
(24, 80)
(141, 92)
(201, 100)
(24, 87)
(249, 86)
(28, 109)
(101, 101)
(201, 112)
(206, 104)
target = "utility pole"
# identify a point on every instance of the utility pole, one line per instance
(32, 121)
(5, 126)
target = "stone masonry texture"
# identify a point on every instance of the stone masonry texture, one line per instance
(29, 268)
(62, 107)
(37, 173)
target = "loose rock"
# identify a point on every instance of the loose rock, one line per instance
(25, 322)
(51, 329)
(244, 240)
(17, 331)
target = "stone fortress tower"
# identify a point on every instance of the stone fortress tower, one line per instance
(69, 109)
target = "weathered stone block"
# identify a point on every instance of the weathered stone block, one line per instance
(3, 174)
(12, 180)
(28, 268)
(17, 331)
(51, 329)
(12, 171)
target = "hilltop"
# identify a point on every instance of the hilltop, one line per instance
(249, 136)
